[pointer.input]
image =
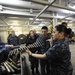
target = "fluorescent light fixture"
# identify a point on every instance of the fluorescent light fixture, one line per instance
(70, 25)
(36, 22)
(37, 19)
(73, 7)
(13, 17)
(30, 18)
(0, 7)
(11, 26)
(41, 24)
(15, 23)
(73, 30)
(18, 32)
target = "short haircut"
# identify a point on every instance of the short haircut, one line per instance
(45, 27)
(64, 23)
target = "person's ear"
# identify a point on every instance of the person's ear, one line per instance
(61, 34)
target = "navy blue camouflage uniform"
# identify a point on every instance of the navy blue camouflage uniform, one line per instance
(44, 63)
(3, 52)
(60, 58)
(34, 61)
(44, 46)
(13, 40)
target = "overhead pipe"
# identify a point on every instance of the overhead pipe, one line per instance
(24, 4)
(46, 3)
(25, 14)
(68, 16)
(54, 5)
(45, 8)
(17, 9)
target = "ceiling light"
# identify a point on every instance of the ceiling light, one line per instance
(15, 23)
(13, 17)
(37, 19)
(73, 7)
(73, 30)
(31, 11)
(36, 22)
(70, 25)
(41, 24)
(0, 7)
(30, 18)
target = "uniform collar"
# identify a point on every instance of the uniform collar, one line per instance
(59, 41)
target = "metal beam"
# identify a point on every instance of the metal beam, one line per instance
(17, 9)
(27, 14)
(45, 8)
(68, 16)
(53, 5)
(24, 4)
(4, 21)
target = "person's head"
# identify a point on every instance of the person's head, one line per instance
(64, 23)
(13, 33)
(44, 30)
(59, 32)
(31, 33)
(35, 31)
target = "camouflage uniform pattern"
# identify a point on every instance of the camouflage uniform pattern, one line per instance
(60, 58)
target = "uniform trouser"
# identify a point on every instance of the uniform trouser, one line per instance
(25, 66)
(34, 63)
(61, 72)
(45, 67)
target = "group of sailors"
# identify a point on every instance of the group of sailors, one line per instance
(53, 59)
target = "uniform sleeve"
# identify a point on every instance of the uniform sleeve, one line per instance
(8, 41)
(27, 42)
(52, 52)
(2, 47)
(39, 42)
(19, 42)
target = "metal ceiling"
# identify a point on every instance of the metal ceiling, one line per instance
(25, 9)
